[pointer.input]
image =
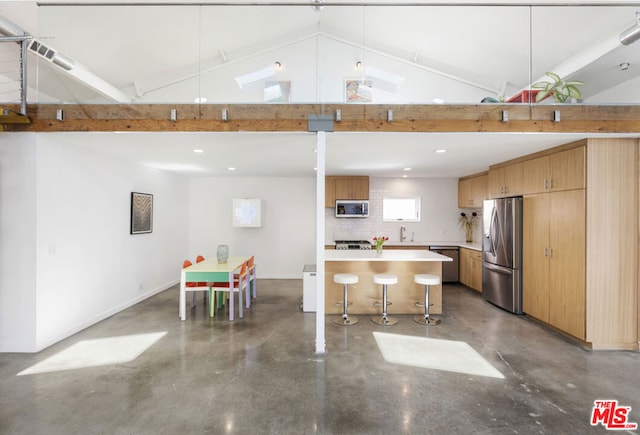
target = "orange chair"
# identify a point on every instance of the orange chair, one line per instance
(239, 284)
(251, 270)
(194, 286)
(252, 276)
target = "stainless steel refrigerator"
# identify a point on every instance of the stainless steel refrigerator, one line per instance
(502, 253)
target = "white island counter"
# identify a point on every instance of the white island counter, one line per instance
(366, 263)
(386, 255)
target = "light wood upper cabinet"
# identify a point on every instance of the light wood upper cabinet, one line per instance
(472, 191)
(479, 190)
(568, 169)
(564, 170)
(329, 192)
(464, 193)
(536, 175)
(343, 187)
(506, 181)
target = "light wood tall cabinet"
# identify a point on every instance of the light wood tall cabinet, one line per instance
(554, 259)
(505, 180)
(612, 243)
(472, 190)
(345, 187)
(580, 245)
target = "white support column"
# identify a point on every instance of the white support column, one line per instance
(321, 142)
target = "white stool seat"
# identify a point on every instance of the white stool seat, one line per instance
(385, 278)
(345, 278)
(426, 279)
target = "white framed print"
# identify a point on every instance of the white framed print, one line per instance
(247, 213)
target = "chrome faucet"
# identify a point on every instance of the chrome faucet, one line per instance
(403, 230)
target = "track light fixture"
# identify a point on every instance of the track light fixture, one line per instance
(632, 34)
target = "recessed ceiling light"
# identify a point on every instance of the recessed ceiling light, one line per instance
(438, 101)
(441, 151)
(405, 176)
(198, 150)
(406, 169)
(231, 168)
(200, 100)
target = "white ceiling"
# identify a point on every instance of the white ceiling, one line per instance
(293, 154)
(164, 54)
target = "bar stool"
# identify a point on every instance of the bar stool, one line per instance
(426, 280)
(345, 279)
(384, 279)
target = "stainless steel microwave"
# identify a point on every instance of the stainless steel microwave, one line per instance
(352, 208)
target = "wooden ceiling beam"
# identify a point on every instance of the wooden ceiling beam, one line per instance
(354, 118)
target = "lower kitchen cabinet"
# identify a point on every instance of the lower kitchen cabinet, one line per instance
(471, 268)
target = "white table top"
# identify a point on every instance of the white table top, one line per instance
(387, 255)
(212, 265)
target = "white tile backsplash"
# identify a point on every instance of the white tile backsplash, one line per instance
(440, 212)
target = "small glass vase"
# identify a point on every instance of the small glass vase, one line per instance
(222, 254)
(469, 234)
(379, 249)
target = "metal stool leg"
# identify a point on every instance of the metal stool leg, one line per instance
(384, 319)
(426, 319)
(345, 320)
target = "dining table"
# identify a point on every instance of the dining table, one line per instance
(211, 271)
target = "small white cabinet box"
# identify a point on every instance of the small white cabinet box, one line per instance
(309, 288)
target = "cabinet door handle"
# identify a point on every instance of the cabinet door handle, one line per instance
(545, 252)
(551, 183)
(550, 253)
(545, 184)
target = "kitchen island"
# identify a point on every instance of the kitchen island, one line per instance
(366, 263)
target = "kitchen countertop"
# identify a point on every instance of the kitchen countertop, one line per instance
(477, 246)
(387, 255)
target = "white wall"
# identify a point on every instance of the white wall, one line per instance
(17, 242)
(84, 265)
(440, 212)
(286, 240)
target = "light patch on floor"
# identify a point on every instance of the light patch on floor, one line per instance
(98, 352)
(431, 353)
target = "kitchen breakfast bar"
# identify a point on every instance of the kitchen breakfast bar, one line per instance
(365, 263)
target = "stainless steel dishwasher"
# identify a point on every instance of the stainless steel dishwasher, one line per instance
(449, 268)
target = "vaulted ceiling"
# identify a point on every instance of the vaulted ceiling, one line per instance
(174, 53)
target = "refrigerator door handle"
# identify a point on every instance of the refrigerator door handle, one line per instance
(498, 269)
(494, 231)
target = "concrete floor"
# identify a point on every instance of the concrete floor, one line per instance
(260, 375)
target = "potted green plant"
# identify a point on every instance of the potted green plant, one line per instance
(558, 88)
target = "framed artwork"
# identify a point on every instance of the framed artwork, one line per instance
(358, 91)
(247, 213)
(141, 213)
